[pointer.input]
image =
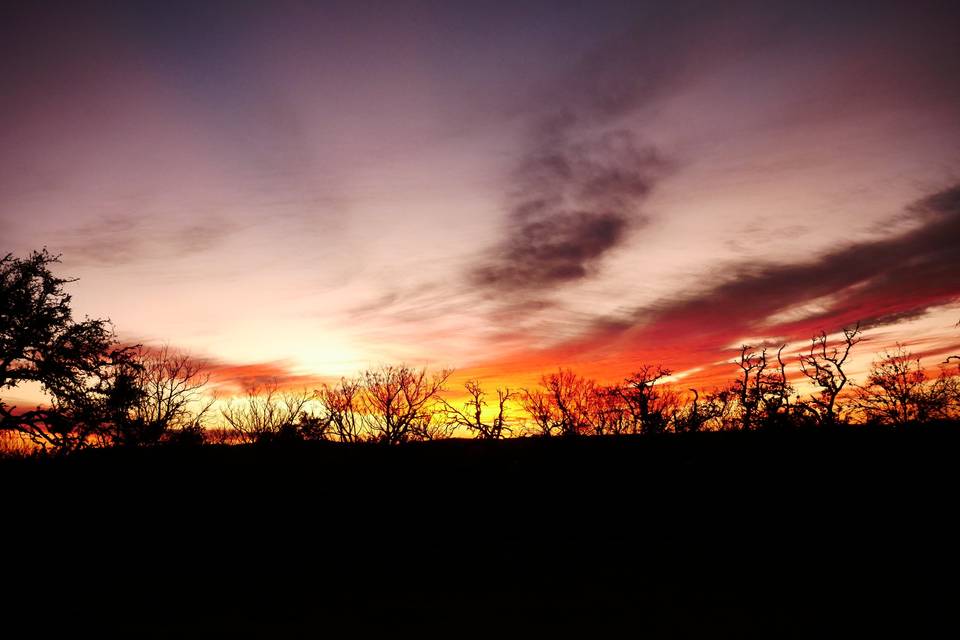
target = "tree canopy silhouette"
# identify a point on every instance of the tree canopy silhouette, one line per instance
(76, 363)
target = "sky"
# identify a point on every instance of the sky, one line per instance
(301, 190)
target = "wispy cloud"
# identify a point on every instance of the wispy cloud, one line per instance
(233, 378)
(121, 239)
(875, 282)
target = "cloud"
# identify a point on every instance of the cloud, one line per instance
(121, 239)
(876, 282)
(587, 169)
(558, 230)
(584, 172)
(579, 200)
(234, 378)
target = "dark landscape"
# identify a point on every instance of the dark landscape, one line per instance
(831, 534)
(539, 318)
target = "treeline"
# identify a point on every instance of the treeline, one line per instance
(106, 395)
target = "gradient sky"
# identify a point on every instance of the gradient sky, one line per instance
(303, 189)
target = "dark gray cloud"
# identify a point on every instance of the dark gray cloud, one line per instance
(577, 192)
(576, 201)
(874, 282)
(586, 171)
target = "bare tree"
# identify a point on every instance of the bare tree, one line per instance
(609, 412)
(749, 387)
(170, 396)
(569, 404)
(777, 390)
(265, 410)
(340, 407)
(943, 398)
(471, 415)
(823, 365)
(899, 392)
(399, 403)
(432, 425)
(692, 418)
(649, 404)
(710, 413)
(543, 411)
(564, 406)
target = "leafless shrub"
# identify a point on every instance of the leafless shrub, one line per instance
(264, 410)
(471, 414)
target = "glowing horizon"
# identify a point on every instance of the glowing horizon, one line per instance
(302, 192)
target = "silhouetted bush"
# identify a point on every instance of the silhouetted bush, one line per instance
(192, 435)
(899, 392)
(264, 410)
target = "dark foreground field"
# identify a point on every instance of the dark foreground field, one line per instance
(766, 535)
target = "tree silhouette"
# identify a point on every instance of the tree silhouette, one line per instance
(710, 412)
(340, 407)
(749, 387)
(762, 392)
(823, 365)
(73, 362)
(565, 406)
(87, 410)
(399, 403)
(899, 392)
(650, 406)
(166, 396)
(609, 412)
(471, 416)
(776, 394)
(265, 411)
(542, 409)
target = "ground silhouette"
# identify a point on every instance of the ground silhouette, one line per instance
(740, 534)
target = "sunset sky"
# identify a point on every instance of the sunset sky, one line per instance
(304, 189)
